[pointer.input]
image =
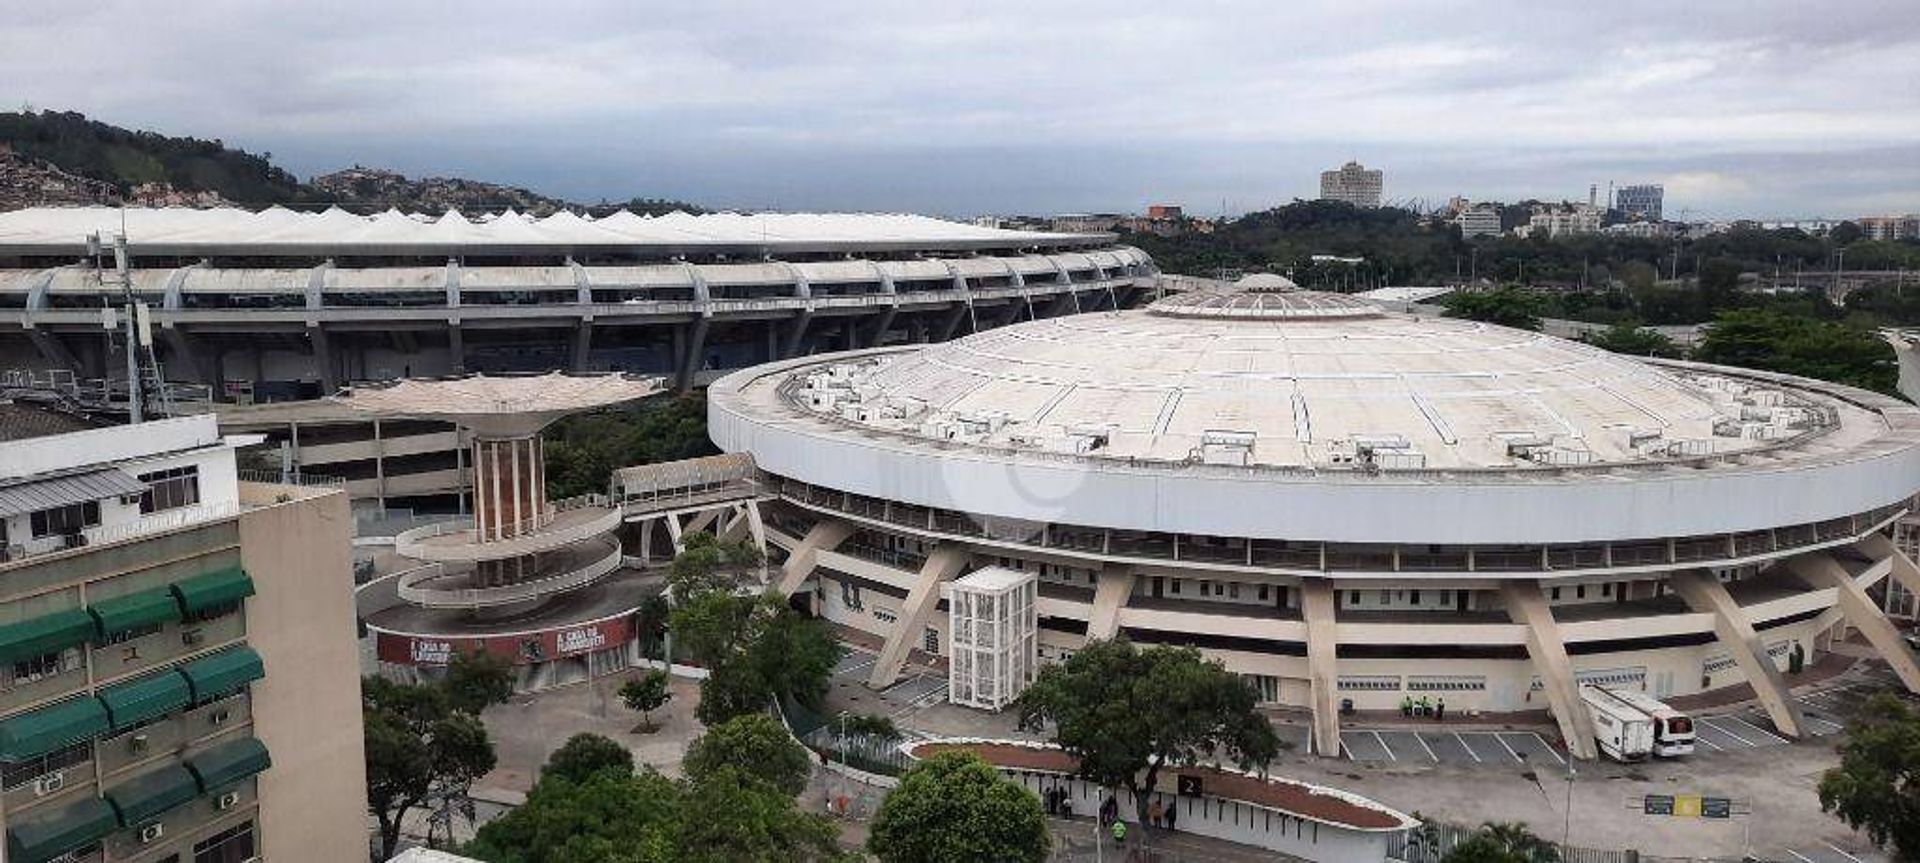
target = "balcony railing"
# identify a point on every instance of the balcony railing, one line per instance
(411, 584)
(147, 525)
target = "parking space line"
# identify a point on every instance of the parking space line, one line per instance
(1798, 856)
(1777, 738)
(1702, 738)
(1383, 745)
(1503, 742)
(1708, 722)
(1463, 745)
(1423, 745)
(1544, 745)
(1836, 850)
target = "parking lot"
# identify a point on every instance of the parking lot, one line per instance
(1449, 747)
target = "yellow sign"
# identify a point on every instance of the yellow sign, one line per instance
(1686, 805)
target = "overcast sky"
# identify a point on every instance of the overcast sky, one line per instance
(1740, 108)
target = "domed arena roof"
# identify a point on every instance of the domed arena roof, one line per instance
(1267, 303)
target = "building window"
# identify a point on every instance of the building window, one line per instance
(170, 489)
(1176, 587)
(1353, 598)
(1555, 594)
(1263, 593)
(232, 845)
(1606, 589)
(1446, 597)
(64, 520)
(17, 774)
(1413, 597)
(1579, 591)
(932, 640)
(37, 668)
(1233, 590)
(1386, 597)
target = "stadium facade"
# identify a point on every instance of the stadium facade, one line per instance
(292, 303)
(1348, 506)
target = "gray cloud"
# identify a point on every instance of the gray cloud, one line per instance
(1757, 108)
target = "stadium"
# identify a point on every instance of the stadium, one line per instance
(284, 304)
(1345, 505)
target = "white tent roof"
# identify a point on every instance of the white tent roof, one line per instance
(68, 226)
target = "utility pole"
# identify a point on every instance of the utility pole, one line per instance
(95, 250)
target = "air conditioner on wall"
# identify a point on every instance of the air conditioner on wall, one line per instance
(227, 801)
(49, 784)
(218, 717)
(191, 637)
(137, 743)
(152, 833)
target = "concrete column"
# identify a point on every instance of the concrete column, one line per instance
(1879, 547)
(942, 565)
(323, 357)
(456, 348)
(53, 350)
(1109, 596)
(952, 324)
(181, 353)
(796, 334)
(582, 345)
(1527, 606)
(1820, 570)
(1704, 593)
(881, 326)
(696, 342)
(1323, 675)
(805, 557)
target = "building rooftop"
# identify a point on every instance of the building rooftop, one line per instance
(276, 227)
(498, 404)
(1311, 380)
(24, 420)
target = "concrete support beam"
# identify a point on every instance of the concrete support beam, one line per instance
(1704, 593)
(796, 334)
(942, 565)
(55, 352)
(696, 343)
(701, 521)
(1528, 606)
(1323, 673)
(881, 326)
(1109, 596)
(323, 358)
(801, 561)
(1820, 570)
(582, 346)
(1878, 547)
(952, 324)
(456, 349)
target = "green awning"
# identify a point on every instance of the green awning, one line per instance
(49, 633)
(140, 700)
(144, 798)
(228, 763)
(120, 614)
(86, 821)
(223, 672)
(52, 727)
(213, 590)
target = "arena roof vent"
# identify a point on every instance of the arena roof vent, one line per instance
(1225, 446)
(1266, 304)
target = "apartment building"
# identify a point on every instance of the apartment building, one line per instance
(1354, 184)
(178, 665)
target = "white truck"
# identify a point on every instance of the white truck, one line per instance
(1631, 725)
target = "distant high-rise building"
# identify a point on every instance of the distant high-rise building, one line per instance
(1889, 227)
(1354, 184)
(1164, 211)
(1640, 202)
(1478, 220)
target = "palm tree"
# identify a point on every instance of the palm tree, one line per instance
(1520, 841)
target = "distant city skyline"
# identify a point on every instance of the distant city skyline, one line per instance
(1761, 110)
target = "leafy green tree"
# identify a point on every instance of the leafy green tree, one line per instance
(477, 680)
(418, 746)
(1630, 338)
(1719, 280)
(585, 754)
(611, 817)
(645, 694)
(1876, 786)
(754, 647)
(1127, 713)
(869, 724)
(707, 563)
(758, 747)
(1508, 307)
(582, 450)
(955, 806)
(1846, 233)
(1798, 345)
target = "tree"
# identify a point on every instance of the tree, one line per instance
(418, 746)
(585, 754)
(615, 817)
(1508, 307)
(1846, 233)
(1630, 338)
(1800, 345)
(477, 680)
(647, 693)
(757, 746)
(869, 724)
(755, 648)
(955, 806)
(707, 564)
(1126, 713)
(1876, 787)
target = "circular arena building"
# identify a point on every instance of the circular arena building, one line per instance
(1347, 506)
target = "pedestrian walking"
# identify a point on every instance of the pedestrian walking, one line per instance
(1440, 710)
(1119, 832)
(1172, 813)
(1153, 813)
